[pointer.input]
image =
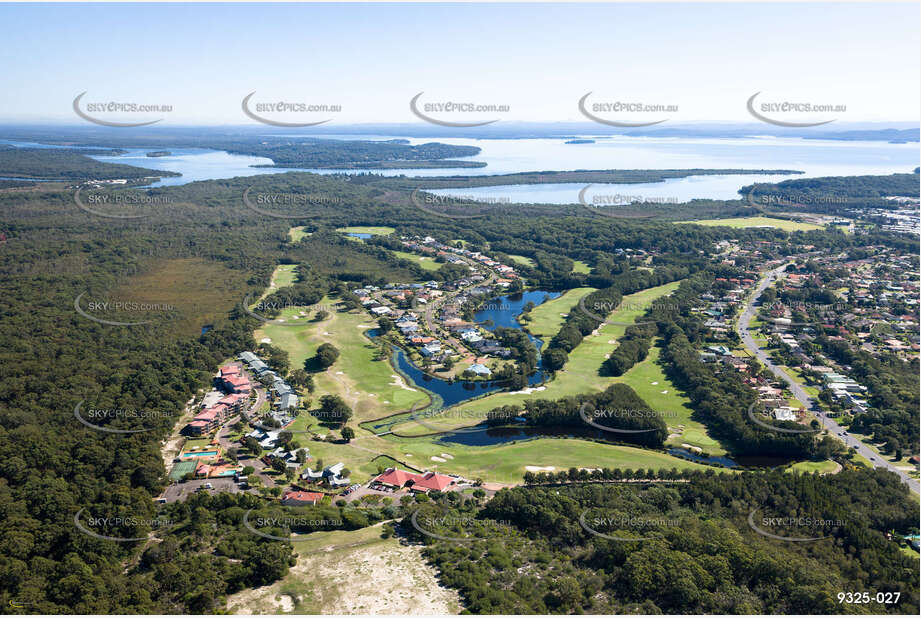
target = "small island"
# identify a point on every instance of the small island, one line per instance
(580, 141)
(159, 153)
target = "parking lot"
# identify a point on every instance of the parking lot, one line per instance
(181, 491)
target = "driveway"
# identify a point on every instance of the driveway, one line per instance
(799, 393)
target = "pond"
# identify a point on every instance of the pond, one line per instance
(503, 311)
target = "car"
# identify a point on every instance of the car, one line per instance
(208, 486)
(873, 459)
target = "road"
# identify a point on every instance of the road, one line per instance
(743, 327)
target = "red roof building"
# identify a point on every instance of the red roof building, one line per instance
(237, 384)
(230, 370)
(394, 477)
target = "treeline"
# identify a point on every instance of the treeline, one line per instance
(721, 401)
(66, 164)
(595, 306)
(631, 349)
(536, 550)
(618, 408)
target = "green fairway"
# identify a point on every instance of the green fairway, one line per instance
(545, 320)
(581, 374)
(739, 222)
(581, 267)
(521, 259)
(823, 467)
(426, 262)
(367, 385)
(296, 233)
(377, 230)
(650, 382)
(508, 462)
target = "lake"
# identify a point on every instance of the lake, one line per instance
(504, 156)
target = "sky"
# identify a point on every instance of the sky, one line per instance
(539, 59)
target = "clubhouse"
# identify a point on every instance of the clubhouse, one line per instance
(394, 478)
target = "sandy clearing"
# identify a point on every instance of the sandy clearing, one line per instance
(365, 577)
(540, 468)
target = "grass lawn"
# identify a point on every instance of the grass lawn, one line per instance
(545, 320)
(581, 373)
(824, 467)
(296, 233)
(378, 230)
(738, 222)
(521, 259)
(428, 263)
(581, 267)
(367, 385)
(201, 443)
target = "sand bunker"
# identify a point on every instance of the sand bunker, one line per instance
(399, 381)
(540, 468)
(437, 458)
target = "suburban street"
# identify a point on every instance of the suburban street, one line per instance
(799, 393)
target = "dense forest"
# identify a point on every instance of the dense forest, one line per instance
(68, 165)
(567, 548)
(202, 251)
(833, 195)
